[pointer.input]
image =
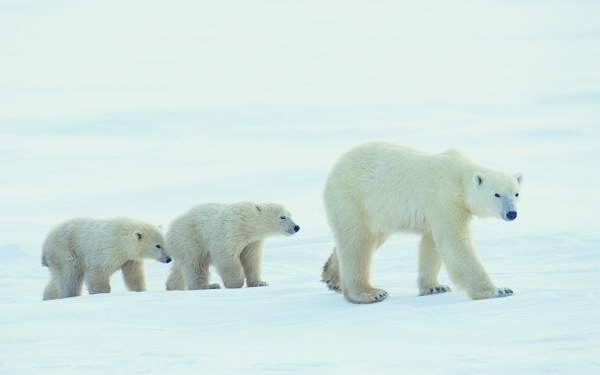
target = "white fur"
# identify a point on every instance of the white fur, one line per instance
(229, 236)
(381, 188)
(91, 250)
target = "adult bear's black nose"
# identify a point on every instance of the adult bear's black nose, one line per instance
(511, 215)
(296, 228)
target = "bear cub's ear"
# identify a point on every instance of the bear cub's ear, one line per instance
(478, 178)
(519, 177)
(258, 208)
(138, 234)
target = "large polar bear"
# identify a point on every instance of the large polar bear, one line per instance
(93, 249)
(229, 236)
(381, 188)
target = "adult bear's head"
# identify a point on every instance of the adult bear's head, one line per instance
(495, 194)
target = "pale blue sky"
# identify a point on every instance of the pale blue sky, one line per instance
(103, 101)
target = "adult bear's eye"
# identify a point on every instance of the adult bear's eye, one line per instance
(282, 217)
(158, 247)
(497, 195)
(516, 195)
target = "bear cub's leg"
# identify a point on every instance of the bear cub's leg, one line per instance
(196, 274)
(70, 280)
(51, 291)
(133, 275)
(97, 281)
(230, 269)
(251, 259)
(430, 263)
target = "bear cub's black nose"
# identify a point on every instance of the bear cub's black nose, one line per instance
(169, 260)
(296, 228)
(511, 215)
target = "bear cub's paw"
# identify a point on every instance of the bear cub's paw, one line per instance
(501, 292)
(260, 283)
(369, 296)
(435, 290)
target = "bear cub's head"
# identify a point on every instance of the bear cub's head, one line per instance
(279, 218)
(497, 195)
(151, 243)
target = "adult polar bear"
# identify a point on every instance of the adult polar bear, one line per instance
(380, 188)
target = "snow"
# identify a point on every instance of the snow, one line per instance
(144, 109)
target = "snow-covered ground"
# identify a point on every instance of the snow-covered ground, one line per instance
(144, 109)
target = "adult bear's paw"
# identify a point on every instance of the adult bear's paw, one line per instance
(435, 290)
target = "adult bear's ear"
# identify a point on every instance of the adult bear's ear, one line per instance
(258, 208)
(478, 178)
(519, 177)
(138, 234)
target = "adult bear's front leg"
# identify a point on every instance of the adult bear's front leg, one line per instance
(463, 264)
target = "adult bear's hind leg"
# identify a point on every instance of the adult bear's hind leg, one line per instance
(355, 256)
(331, 273)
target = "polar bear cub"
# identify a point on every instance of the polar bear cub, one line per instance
(381, 188)
(228, 236)
(91, 250)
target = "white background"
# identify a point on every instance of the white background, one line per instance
(145, 108)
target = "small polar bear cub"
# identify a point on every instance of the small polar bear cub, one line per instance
(228, 236)
(91, 250)
(381, 188)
